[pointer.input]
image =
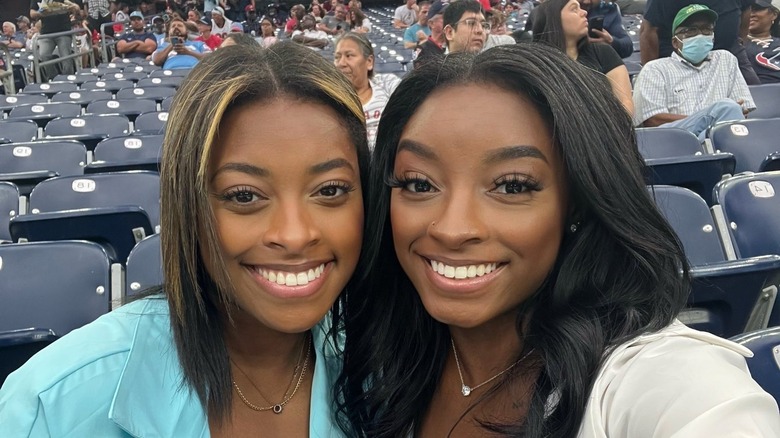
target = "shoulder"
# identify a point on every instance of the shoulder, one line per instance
(680, 380)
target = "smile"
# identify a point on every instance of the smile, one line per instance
(462, 272)
(283, 278)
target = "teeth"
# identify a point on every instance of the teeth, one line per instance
(462, 272)
(293, 279)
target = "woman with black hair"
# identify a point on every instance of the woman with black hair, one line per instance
(520, 281)
(764, 40)
(564, 25)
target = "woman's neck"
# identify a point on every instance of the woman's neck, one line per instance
(763, 34)
(571, 50)
(364, 92)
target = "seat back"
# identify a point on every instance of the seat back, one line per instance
(750, 205)
(152, 122)
(10, 102)
(18, 131)
(126, 107)
(690, 218)
(165, 81)
(765, 363)
(9, 207)
(118, 189)
(50, 88)
(133, 148)
(17, 346)
(750, 141)
(81, 97)
(767, 99)
(45, 110)
(57, 285)
(157, 93)
(667, 142)
(112, 85)
(91, 125)
(144, 266)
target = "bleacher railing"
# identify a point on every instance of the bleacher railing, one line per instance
(107, 41)
(37, 63)
(7, 76)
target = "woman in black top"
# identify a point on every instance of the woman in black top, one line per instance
(764, 40)
(564, 25)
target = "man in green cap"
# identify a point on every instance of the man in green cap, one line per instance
(695, 87)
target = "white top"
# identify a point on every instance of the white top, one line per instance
(405, 15)
(382, 86)
(674, 85)
(311, 33)
(677, 383)
(221, 30)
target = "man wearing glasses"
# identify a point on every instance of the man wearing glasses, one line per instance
(695, 87)
(465, 27)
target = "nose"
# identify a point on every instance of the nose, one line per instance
(291, 228)
(459, 222)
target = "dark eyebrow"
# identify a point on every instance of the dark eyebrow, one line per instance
(513, 152)
(330, 165)
(243, 168)
(418, 149)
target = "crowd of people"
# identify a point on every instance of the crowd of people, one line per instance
(468, 251)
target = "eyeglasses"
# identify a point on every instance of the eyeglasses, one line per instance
(471, 23)
(688, 32)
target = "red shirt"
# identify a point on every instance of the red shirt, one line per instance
(213, 42)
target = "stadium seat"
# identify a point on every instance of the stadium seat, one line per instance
(129, 108)
(82, 97)
(27, 164)
(17, 131)
(9, 207)
(151, 122)
(750, 141)
(17, 346)
(129, 76)
(107, 85)
(675, 157)
(140, 69)
(144, 266)
(7, 103)
(100, 71)
(161, 73)
(134, 152)
(114, 209)
(727, 297)
(89, 129)
(76, 79)
(43, 113)
(54, 285)
(156, 93)
(765, 364)
(166, 81)
(767, 99)
(166, 103)
(50, 88)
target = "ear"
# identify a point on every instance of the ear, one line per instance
(449, 32)
(370, 62)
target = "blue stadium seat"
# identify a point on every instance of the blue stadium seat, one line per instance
(55, 285)
(89, 129)
(100, 71)
(767, 99)
(165, 81)
(82, 97)
(140, 69)
(144, 266)
(161, 73)
(151, 122)
(765, 364)
(114, 209)
(156, 93)
(113, 85)
(27, 164)
(76, 79)
(750, 141)
(128, 76)
(17, 346)
(675, 157)
(9, 207)
(727, 296)
(130, 108)
(134, 152)
(43, 113)
(7, 103)
(50, 88)
(17, 131)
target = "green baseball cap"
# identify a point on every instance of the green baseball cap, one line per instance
(691, 10)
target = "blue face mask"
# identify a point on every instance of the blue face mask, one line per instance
(695, 49)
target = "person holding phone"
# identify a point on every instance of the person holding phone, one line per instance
(605, 25)
(176, 51)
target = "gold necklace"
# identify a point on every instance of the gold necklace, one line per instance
(278, 407)
(466, 389)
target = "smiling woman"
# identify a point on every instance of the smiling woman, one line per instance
(261, 231)
(521, 280)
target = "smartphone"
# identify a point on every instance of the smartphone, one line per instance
(595, 23)
(176, 40)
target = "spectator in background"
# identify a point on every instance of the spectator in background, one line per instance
(405, 15)
(219, 24)
(10, 37)
(23, 25)
(419, 32)
(354, 56)
(98, 12)
(175, 51)
(158, 29)
(358, 21)
(563, 25)
(34, 30)
(251, 24)
(53, 21)
(309, 35)
(613, 32)
(147, 8)
(193, 16)
(296, 15)
(122, 13)
(465, 27)
(732, 25)
(317, 12)
(434, 45)
(138, 43)
(498, 32)
(239, 39)
(267, 33)
(696, 87)
(204, 27)
(236, 27)
(763, 43)
(337, 23)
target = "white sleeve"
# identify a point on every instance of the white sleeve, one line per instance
(650, 93)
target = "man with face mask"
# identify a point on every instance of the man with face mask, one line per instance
(696, 86)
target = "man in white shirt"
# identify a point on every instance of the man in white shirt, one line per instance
(405, 15)
(219, 24)
(309, 36)
(696, 87)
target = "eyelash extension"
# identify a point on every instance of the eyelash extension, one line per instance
(230, 194)
(527, 181)
(348, 188)
(395, 182)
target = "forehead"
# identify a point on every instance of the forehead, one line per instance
(697, 20)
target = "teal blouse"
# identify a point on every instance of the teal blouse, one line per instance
(120, 376)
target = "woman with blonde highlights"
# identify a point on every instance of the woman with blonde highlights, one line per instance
(261, 232)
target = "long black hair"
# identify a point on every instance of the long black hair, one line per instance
(623, 273)
(548, 27)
